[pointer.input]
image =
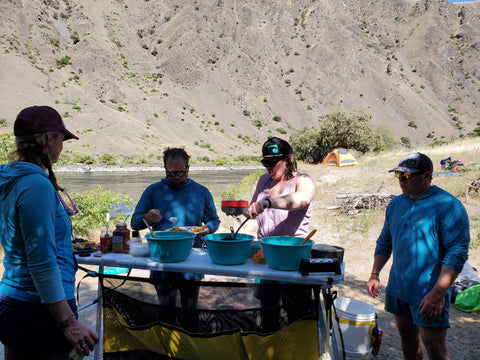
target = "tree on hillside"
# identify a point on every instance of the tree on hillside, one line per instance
(349, 129)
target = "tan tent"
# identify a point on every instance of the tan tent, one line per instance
(340, 157)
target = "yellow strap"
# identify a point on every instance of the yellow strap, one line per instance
(371, 325)
(358, 323)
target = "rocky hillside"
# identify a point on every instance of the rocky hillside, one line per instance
(219, 76)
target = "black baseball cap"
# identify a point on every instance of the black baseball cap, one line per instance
(413, 163)
(38, 120)
(274, 147)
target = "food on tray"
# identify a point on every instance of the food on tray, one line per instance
(192, 229)
(177, 228)
(81, 245)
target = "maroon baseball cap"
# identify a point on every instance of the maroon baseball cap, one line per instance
(40, 119)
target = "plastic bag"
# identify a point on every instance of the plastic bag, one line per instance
(468, 277)
(469, 300)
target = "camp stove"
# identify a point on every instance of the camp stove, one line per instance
(319, 265)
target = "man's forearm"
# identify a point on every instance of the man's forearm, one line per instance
(445, 280)
(378, 263)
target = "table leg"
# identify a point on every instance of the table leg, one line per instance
(322, 327)
(327, 304)
(98, 326)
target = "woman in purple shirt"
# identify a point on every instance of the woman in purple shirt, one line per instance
(282, 205)
(282, 202)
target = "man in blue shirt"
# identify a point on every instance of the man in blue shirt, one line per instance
(426, 230)
(191, 204)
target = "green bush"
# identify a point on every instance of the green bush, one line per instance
(83, 159)
(107, 159)
(257, 123)
(141, 161)
(406, 142)
(64, 158)
(246, 158)
(475, 132)
(348, 129)
(221, 161)
(203, 158)
(75, 37)
(92, 207)
(66, 60)
(246, 186)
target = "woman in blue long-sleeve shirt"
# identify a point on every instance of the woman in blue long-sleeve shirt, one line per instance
(38, 314)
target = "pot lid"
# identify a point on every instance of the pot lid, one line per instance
(234, 203)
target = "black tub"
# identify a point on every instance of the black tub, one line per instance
(327, 251)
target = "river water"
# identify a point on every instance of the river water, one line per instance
(134, 183)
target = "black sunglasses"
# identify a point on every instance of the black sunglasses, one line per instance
(176, 173)
(270, 163)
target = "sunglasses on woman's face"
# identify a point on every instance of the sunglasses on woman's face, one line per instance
(270, 163)
(69, 210)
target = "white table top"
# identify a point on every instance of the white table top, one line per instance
(199, 262)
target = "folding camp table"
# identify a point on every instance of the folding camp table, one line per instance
(199, 262)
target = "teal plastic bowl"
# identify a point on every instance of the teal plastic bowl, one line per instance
(285, 252)
(170, 246)
(228, 252)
